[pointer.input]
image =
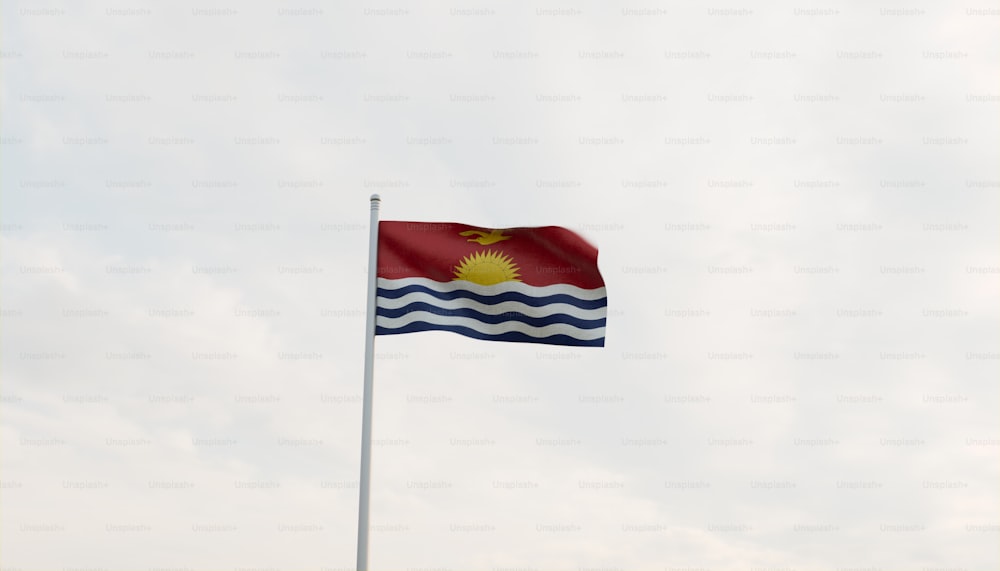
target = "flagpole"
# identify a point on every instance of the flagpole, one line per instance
(366, 414)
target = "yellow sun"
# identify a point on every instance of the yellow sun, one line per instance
(487, 268)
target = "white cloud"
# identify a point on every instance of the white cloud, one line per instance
(799, 250)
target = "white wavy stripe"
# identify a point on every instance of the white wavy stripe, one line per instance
(495, 309)
(489, 329)
(502, 287)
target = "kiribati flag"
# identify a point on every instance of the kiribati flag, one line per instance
(528, 285)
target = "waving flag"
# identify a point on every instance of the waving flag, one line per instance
(529, 285)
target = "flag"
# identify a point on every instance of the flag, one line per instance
(527, 285)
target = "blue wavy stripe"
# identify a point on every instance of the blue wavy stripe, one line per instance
(513, 336)
(495, 299)
(493, 319)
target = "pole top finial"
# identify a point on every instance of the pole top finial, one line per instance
(376, 198)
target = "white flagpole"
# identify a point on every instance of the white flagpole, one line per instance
(366, 414)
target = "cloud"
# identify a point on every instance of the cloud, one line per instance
(795, 209)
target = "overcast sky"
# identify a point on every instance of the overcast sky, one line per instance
(797, 213)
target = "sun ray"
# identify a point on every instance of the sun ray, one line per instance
(487, 268)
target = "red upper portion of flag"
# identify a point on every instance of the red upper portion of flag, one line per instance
(541, 256)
